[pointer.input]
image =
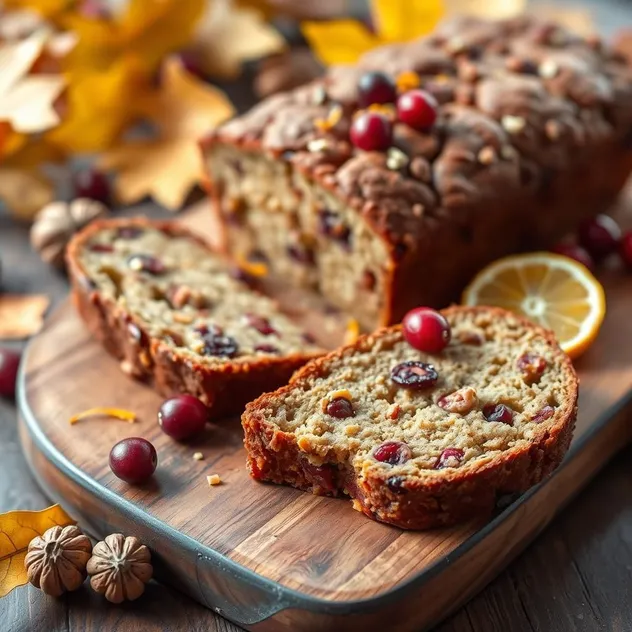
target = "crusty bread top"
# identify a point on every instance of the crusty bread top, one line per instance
(494, 358)
(180, 293)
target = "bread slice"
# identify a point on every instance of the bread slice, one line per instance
(173, 314)
(412, 450)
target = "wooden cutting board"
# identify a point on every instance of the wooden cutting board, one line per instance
(270, 557)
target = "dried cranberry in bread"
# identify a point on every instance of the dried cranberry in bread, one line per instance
(533, 133)
(421, 440)
(170, 310)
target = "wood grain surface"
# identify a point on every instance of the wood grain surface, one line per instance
(316, 546)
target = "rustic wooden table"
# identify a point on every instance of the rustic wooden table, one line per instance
(575, 577)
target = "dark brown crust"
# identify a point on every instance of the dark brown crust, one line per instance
(457, 495)
(225, 389)
(569, 163)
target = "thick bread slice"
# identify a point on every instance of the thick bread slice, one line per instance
(173, 314)
(497, 420)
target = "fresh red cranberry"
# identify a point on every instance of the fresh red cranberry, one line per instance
(625, 249)
(340, 408)
(261, 324)
(376, 87)
(133, 460)
(543, 414)
(92, 184)
(499, 413)
(218, 344)
(414, 375)
(371, 131)
(600, 236)
(146, 263)
(426, 330)
(393, 453)
(9, 364)
(103, 248)
(182, 417)
(267, 349)
(450, 457)
(418, 109)
(576, 252)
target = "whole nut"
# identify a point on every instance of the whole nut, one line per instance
(56, 561)
(57, 222)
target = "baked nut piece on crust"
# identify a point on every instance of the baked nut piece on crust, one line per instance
(170, 310)
(420, 440)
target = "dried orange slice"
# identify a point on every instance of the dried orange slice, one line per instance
(551, 290)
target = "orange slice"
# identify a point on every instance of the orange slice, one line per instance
(552, 290)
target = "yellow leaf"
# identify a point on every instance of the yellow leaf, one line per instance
(495, 9)
(167, 168)
(24, 192)
(228, 36)
(26, 101)
(100, 104)
(403, 21)
(146, 29)
(17, 529)
(340, 41)
(344, 41)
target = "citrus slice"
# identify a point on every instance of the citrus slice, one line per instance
(551, 290)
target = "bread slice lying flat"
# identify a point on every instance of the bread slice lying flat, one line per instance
(419, 440)
(174, 315)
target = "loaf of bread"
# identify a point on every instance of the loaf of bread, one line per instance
(174, 315)
(419, 440)
(533, 134)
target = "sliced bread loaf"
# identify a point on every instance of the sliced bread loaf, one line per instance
(421, 440)
(173, 314)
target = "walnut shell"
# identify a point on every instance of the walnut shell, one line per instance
(56, 561)
(57, 222)
(119, 568)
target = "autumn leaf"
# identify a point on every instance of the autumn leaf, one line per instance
(26, 101)
(99, 106)
(17, 529)
(24, 192)
(344, 41)
(146, 29)
(169, 166)
(229, 35)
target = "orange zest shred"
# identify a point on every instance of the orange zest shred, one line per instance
(386, 109)
(333, 118)
(256, 269)
(353, 331)
(115, 413)
(407, 80)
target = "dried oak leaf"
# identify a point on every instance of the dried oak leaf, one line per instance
(227, 36)
(168, 167)
(344, 41)
(24, 191)
(17, 529)
(119, 568)
(27, 100)
(56, 561)
(22, 315)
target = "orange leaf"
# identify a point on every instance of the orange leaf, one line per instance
(17, 529)
(228, 36)
(183, 110)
